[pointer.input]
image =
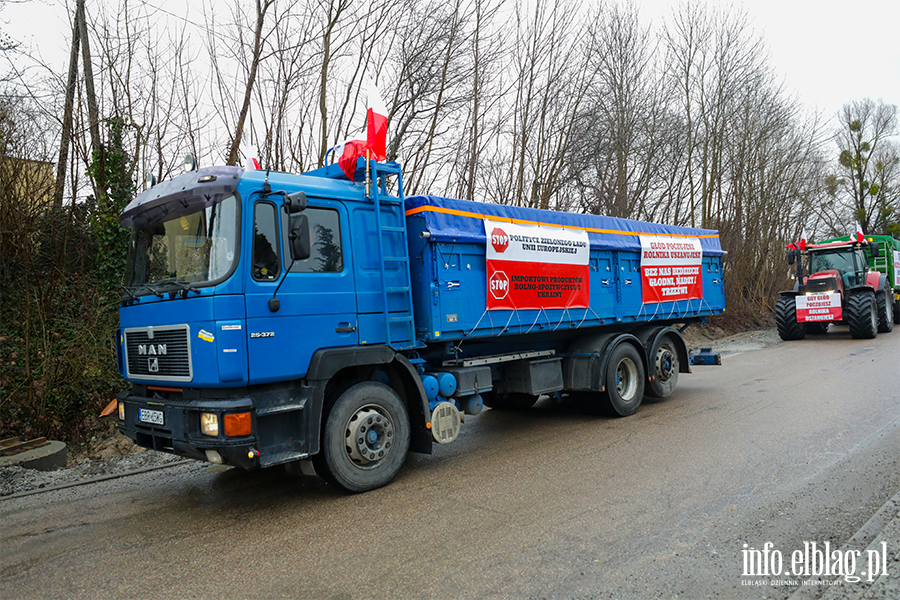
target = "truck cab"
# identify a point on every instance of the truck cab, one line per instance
(220, 314)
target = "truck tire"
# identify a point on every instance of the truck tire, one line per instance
(885, 311)
(365, 438)
(862, 315)
(666, 358)
(625, 378)
(786, 319)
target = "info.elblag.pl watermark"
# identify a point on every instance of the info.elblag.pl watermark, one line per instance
(815, 564)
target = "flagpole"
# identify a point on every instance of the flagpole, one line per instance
(367, 174)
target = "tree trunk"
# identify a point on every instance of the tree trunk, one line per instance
(93, 112)
(67, 112)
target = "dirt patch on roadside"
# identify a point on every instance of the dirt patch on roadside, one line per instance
(727, 343)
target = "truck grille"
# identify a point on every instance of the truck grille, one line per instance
(164, 356)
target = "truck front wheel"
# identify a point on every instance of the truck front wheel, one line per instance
(786, 319)
(365, 438)
(862, 315)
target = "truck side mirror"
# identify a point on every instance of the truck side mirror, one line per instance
(791, 256)
(294, 203)
(299, 236)
(874, 248)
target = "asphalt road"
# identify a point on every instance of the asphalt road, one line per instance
(794, 443)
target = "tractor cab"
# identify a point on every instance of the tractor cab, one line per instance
(835, 266)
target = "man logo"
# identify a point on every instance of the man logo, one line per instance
(152, 349)
(153, 365)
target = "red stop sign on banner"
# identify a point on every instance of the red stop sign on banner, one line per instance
(499, 240)
(499, 285)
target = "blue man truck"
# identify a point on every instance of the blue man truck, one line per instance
(331, 326)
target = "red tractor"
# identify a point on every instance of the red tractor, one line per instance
(840, 288)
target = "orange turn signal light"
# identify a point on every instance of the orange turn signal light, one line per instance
(237, 424)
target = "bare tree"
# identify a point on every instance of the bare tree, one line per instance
(869, 184)
(617, 158)
(262, 6)
(62, 163)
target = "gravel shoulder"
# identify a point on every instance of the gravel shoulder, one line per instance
(15, 479)
(117, 454)
(730, 344)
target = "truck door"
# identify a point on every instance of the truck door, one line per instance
(629, 274)
(317, 298)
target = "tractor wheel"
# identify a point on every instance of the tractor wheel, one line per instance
(817, 328)
(862, 315)
(786, 319)
(885, 311)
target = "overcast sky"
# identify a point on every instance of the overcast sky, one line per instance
(827, 52)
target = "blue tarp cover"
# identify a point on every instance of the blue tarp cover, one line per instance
(461, 220)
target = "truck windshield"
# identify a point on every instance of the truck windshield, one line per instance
(184, 250)
(841, 260)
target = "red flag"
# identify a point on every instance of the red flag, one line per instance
(803, 241)
(351, 151)
(376, 136)
(858, 236)
(376, 124)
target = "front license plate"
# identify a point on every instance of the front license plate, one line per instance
(146, 415)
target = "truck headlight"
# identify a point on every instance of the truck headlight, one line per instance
(209, 424)
(121, 411)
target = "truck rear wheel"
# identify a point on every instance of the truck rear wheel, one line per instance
(786, 319)
(885, 311)
(666, 358)
(862, 315)
(624, 381)
(365, 438)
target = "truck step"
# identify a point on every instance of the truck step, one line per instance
(275, 458)
(404, 319)
(282, 408)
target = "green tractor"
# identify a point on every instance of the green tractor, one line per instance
(850, 280)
